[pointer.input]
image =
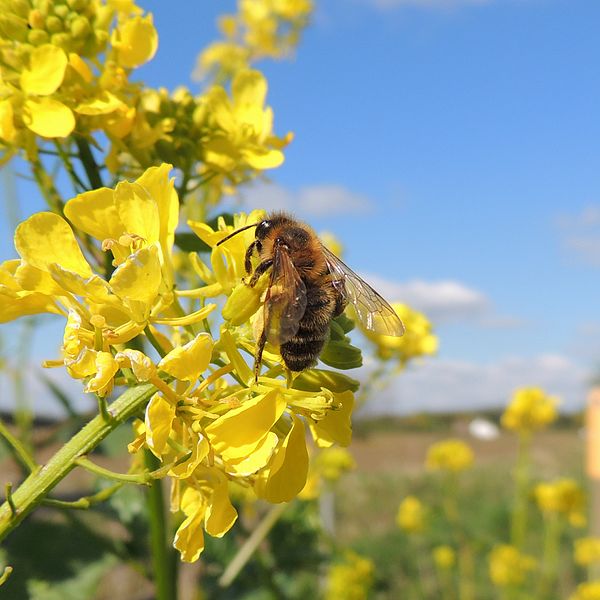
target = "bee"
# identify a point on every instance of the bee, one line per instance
(308, 287)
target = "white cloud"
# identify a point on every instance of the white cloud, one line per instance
(580, 234)
(315, 200)
(439, 300)
(450, 385)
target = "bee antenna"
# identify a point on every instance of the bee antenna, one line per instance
(236, 232)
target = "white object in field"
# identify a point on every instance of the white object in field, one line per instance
(483, 429)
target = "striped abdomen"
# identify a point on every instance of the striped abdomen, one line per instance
(303, 350)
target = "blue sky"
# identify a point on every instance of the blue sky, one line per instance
(452, 145)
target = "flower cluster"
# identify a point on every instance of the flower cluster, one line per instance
(562, 497)
(52, 82)
(411, 515)
(450, 456)
(418, 339)
(510, 567)
(260, 29)
(209, 422)
(351, 579)
(530, 409)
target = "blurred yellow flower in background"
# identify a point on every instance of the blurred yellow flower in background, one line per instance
(451, 455)
(587, 591)
(444, 557)
(351, 579)
(587, 551)
(530, 409)
(411, 516)
(562, 497)
(509, 567)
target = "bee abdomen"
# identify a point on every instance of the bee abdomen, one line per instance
(302, 352)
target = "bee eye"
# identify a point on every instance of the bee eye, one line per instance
(262, 229)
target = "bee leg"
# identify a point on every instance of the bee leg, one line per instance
(260, 346)
(247, 264)
(260, 269)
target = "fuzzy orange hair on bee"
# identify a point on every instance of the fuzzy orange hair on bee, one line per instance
(308, 287)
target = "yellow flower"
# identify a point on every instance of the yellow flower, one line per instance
(239, 130)
(530, 409)
(450, 455)
(587, 591)
(418, 339)
(509, 567)
(411, 515)
(135, 41)
(562, 497)
(351, 579)
(444, 557)
(587, 551)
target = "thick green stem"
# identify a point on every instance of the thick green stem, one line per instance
(163, 554)
(39, 484)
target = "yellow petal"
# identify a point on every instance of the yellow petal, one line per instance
(103, 104)
(285, 477)
(239, 431)
(94, 288)
(199, 452)
(106, 367)
(257, 459)
(142, 366)
(159, 418)
(136, 42)
(81, 67)
(263, 158)
(249, 87)
(137, 211)
(336, 427)
(188, 362)
(46, 71)
(83, 365)
(189, 539)
(95, 213)
(33, 279)
(48, 118)
(220, 515)
(45, 238)
(7, 125)
(13, 306)
(161, 188)
(139, 277)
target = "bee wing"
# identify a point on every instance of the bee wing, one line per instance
(373, 311)
(285, 302)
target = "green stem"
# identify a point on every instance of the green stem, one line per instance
(519, 516)
(551, 555)
(163, 555)
(86, 501)
(39, 484)
(89, 162)
(18, 450)
(251, 544)
(78, 185)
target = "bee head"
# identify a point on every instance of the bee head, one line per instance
(262, 229)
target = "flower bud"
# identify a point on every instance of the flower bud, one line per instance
(37, 37)
(243, 302)
(341, 355)
(36, 19)
(80, 27)
(62, 40)
(61, 11)
(13, 28)
(77, 5)
(54, 24)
